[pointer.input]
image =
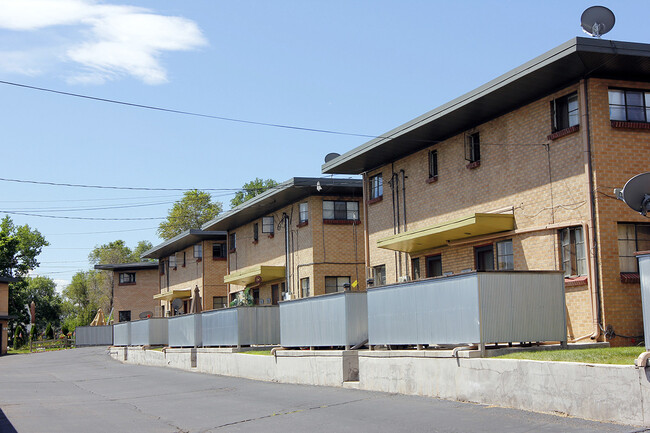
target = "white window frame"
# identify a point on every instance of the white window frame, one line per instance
(268, 224)
(304, 212)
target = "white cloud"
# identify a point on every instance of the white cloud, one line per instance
(61, 284)
(117, 41)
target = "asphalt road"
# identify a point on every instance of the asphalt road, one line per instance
(84, 390)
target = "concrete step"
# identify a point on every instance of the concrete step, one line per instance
(351, 384)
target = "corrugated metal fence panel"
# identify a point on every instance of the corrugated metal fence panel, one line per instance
(317, 321)
(356, 314)
(522, 306)
(435, 311)
(220, 328)
(644, 272)
(94, 335)
(122, 334)
(185, 330)
(149, 332)
(268, 325)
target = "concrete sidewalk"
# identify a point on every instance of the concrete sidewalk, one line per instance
(84, 390)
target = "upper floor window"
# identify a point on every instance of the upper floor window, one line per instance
(268, 224)
(218, 250)
(415, 268)
(433, 164)
(219, 302)
(473, 147)
(434, 266)
(340, 210)
(304, 287)
(629, 105)
(379, 274)
(304, 212)
(632, 237)
(565, 112)
(376, 186)
(256, 231)
(172, 261)
(232, 241)
(198, 251)
(484, 257)
(127, 277)
(505, 256)
(574, 262)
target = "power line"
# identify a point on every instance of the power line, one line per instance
(95, 233)
(83, 218)
(83, 209)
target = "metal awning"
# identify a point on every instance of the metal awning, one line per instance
(173, 294)
(255, 274)
(437, 235)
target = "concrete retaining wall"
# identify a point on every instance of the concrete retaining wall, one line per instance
(598, 392)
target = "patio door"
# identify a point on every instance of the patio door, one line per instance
(484, 258)
(275, 294)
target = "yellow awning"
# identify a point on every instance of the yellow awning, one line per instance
(255, 274)
(173, 294)
(437, 235)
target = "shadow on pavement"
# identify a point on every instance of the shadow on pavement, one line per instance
(5, 425)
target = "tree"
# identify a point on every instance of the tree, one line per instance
(191, 212)
(112, 253)
(42, 290)
(251, 189)
(140, 249)
(83, 296)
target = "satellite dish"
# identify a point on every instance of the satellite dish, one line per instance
(331, 156)
(146, 314)
(597, 20)
(177, 304)
(636, 193)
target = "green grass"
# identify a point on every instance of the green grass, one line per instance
(25, 349)
(257, 352)
(605, 355)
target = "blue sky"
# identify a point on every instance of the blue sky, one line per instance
(361, 67)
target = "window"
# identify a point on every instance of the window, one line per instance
(565, 112)
(232, 240)
(161, 267)
(629, 105)
(184, 258)
(268, 224)
(376, 187)
(304, 288)
(198, 251)
(127, 277)
(379, 274)
(505, 256)
(218, 250)
(632, 238)
(473, 147)
(172, 261)
(256, 230)
(340, 210)
(415, 268)
(304, 212)
(219, 302)
(484, 257)
(433, 164)
(124, 316)
(336, 284)
(434, 266)
(574, 262)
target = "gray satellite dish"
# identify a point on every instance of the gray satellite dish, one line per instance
(597, 20)
(177, 304)
(331, 156)
(636, 193)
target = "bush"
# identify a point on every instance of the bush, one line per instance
(33, 334)
(49, 332)
(19, 337)
(64, 329)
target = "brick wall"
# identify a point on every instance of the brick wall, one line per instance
(137, 297)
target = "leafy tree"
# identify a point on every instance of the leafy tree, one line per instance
(19, 337)
(83, 296)
(191, 212)
(140, 249)
(251, 189)
(49, 332)
(33, 333)
(42, 290)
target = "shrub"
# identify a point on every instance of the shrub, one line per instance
(64, 329)
(19, 337)
(49, 332)
(33, 333)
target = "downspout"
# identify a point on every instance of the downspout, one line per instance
(403, 173)
(399, 253)
(392, 190)
(593, 258)
(366, 239)
(287, 275)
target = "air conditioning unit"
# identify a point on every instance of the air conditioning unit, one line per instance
(404, 279)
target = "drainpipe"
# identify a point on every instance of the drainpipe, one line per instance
(392, 190)
(403, 173)
(593, 239)
(366, 238)
(287, 272)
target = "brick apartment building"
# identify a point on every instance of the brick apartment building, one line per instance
(194, 258)
(519, 174)
(4, 313)
(302, 238)
(134, 285)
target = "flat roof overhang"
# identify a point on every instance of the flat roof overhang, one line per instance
(173, 294)
(438, 235)
(182, 241)
(255, 275)
(562, 66)
(128, 266)
(285, 193)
